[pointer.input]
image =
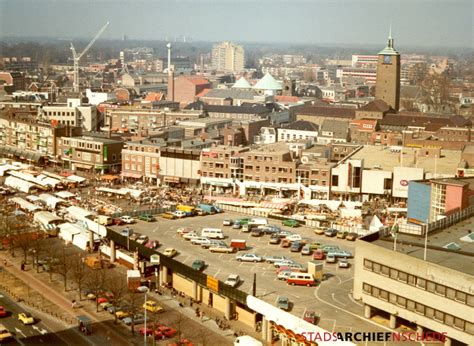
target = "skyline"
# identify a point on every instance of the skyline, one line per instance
(368, 21)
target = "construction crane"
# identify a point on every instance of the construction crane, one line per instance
(77, 57)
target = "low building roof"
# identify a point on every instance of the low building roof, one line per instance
(335, 112)
(302, 125)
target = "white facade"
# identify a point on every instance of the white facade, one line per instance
(73, 114)
(289, 135)
(346, 177)
(401, 177)
(228, 57)
(175, 167)
(267, 135)
(96, 98)
(374, 182)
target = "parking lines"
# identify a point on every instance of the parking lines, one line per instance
(337, 301)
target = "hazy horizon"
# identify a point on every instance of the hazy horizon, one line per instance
(417, 23)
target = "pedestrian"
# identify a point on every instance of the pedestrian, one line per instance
(22, 266)
(202, 316)
(5, 262)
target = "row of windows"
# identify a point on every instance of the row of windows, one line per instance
(82, 144)
(419, 308)
(288, 136)
(64, 114)
(418, 282)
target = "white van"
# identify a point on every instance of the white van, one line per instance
(212, 233)
(258, 221)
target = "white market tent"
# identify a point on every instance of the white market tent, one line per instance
(19, 184)
(68, 230)
(65, 194)
(6, 168)
(122, 191)
(25, 205)
(50, 200)
(76, 178)
(79, 213)
(48, 180)
(28, 177)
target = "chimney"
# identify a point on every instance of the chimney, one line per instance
(170, 75)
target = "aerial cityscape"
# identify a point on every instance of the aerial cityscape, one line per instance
(236, 172)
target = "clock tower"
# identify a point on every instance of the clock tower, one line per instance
(387, 87)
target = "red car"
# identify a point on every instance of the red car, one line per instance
(102, 300)
(182, 342)
(118, 222)
(149, 331)
(3, 312)
(158, 335)
(167, 331)
(152, 244)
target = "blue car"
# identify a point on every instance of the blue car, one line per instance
(237, 225)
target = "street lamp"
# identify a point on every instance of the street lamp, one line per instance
(144, 289)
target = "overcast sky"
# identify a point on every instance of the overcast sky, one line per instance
(415, 22)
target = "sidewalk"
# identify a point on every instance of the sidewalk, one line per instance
(102, 334)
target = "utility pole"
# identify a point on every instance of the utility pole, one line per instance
(254, 286)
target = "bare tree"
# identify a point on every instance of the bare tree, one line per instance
(79, 272)
(96, 282)
(117, 286)
(135, 302)
(38, 247)
(63, 266)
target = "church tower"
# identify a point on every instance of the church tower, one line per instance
(387, 87)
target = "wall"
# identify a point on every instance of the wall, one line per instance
(419, 201)
(456, 198)
(183, 285)
(401, 177)
(373, 181)
(174, 167)
(245, 316)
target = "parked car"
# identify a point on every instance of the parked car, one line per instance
(285, 243)
(4, 333)
(166, 331)
(122, 313)
(257, 232)
(198, 265)
(340, 253)
(190, 235)
(314, 245)
(126, 232)
(330, 232)
(330, 258)
(284, 275)
(152, 244)
(3, 311)
(343, 263)
(147, 331)
(200, 241)
(275, 239)
(146, 217)
(168, 215)
(283, 262)
(342, 234)
(306, 250)
(135, 236)
(271, 229)
(222, 249)
(137, 319)
(142, 239)
(283, 303)
(318, 254)
(170, 252)
(293, 237)
(232, 280)
(227, 222)
(127, 219)
(290, 223)
(179, 214)
(26, 318)
(118, 222)
(292, 267)
(351, 236)
(273, 259)
(213, 242)
(183, 230)
(249, 257)
(296, 246)
(152, 306)
(285, 233)
(237, 225)
(319, 230)
(243, 221)
(329, 248)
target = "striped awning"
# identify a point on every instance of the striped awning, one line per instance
(270, 205)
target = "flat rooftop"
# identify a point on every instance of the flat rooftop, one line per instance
(382, 157)
(461, 260)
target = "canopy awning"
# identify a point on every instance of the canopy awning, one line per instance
(270, 205)
(109, 177)
(131, 175)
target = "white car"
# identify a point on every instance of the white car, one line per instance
(273, 259)
(232, 280)
(294, 237)
(249, 257)
(179, 214)
(127, 219)
(200, 241)
(283, 275)
(283, 263)
(142, 239)
(227, 222)
(190, 235)
(183, 230)
(343, 263)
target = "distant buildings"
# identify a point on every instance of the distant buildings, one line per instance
(228, 57)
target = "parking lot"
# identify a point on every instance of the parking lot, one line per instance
(332, 298)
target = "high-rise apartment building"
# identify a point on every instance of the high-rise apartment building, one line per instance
(228, 57)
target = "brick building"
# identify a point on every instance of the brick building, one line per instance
(361, 130)
(12, 81)
(186, 88)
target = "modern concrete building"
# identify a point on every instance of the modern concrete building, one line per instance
(228, 57)
(94, 154)
(429, 290)
(74, 113)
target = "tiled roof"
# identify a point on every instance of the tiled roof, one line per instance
(236, 94)
(336, 112)
(153, 97)
(198, 80)
(365, 124)
(411, 120)
(257, 109)
(337, 127)
(376, 106)
(203, 93)
(302, 125)
(284, 98)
